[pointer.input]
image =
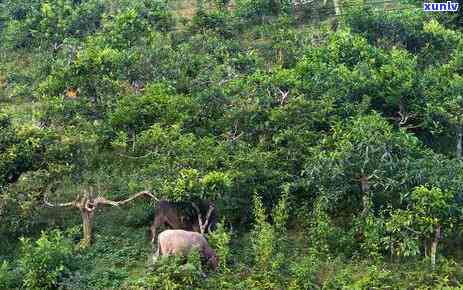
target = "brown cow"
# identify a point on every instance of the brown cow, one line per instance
(180, 242)
(173, 216)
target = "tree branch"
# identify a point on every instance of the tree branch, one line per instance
(91, 204)
(209, 212)
(284, 96)
(202, 226)
(105, 201)
(64, 204)
(200, 218)
(136, 157)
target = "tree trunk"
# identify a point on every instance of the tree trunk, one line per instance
(132, 140)
(364, 182)
(87, 223)
(459, 141)
(426, 248)
(434, 243)
(337, 7)
(94, 101)
(391, 249)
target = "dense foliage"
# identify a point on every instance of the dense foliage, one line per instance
(329, 135)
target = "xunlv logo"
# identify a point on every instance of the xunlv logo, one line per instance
(448, 6)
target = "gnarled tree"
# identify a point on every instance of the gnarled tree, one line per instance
(87, 204)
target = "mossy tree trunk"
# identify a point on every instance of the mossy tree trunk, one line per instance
(87, 225)
(434, 244)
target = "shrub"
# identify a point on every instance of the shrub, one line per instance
(9, 278)
(45, 262)
(48, 23)
(169, 273)
(107, 278)
(221, 22)
(370, 230)
(220, 240)
(255, 9)
(304, 272)
(268, 243)
(159, 15)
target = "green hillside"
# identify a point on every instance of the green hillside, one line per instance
(327, 136)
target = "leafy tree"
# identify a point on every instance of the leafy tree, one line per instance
(96, 93)
(256, 10)
(158, 103)
(366, 156)
(443, 88)
(27, 148)
(47, 24)
(431, 214)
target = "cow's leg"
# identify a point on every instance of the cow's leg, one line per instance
(154, 257)
(158, 221)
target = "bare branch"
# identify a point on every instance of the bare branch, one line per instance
(148, 193)
(90, 204)
(56, 46)
(105, 201)
(200, 218)
(234, 136)
(409, 127)
(284, 96)
(64, 204)
(208, 216)
(203, 225)
(137, 157)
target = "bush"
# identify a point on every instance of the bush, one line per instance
(45, 262)
(221, 22)
(48, 23)
(268, 245)
(9, 277)
(304, 272)
(220, 240)
(255, 9)
(171, 273)
(159, 15)
(107, 278)
(416, 275)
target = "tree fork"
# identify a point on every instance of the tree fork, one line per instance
(203, 225)
(87, 206)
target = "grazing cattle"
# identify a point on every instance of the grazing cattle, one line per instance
(181, 243)
(176, 216)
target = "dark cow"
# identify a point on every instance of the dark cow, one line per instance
(184, 216)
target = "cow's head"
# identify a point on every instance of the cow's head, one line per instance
(214, 262)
